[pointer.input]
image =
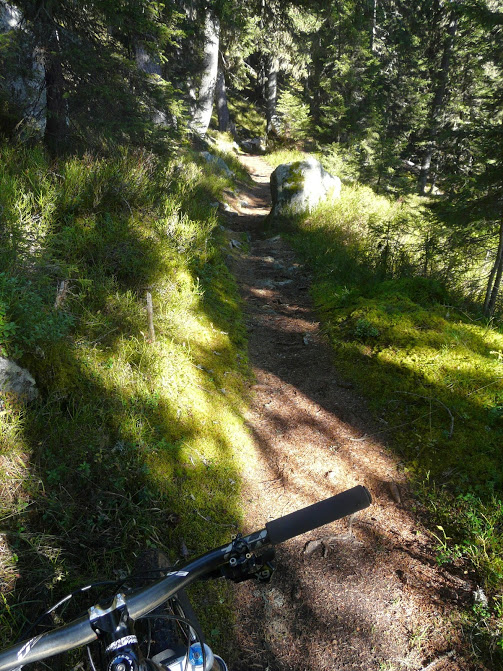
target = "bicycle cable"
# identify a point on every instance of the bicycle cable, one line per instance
(190, 625)
(24, 634)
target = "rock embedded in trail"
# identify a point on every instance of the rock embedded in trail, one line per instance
(300, 186)
(255, 145)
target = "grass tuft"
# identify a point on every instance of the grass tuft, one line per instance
(132, 443)
(431, 371)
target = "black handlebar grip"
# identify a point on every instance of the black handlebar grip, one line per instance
(323, 512)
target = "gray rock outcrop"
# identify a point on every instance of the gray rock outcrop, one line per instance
(17, 380)
(218, 162)
(254, 145)
(300, 186)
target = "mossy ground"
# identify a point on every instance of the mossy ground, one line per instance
(132, 443)
(431, 370)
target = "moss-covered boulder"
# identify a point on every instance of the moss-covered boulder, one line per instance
(16, 380)
(299, 187)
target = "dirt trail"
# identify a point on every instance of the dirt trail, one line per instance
(365, 595)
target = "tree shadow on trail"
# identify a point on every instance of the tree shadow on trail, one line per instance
(376, 597)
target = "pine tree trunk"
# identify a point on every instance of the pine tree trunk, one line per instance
(151, 65)
(318, 60)
(272, 94)
(437, 104)
(224, 117)
(56, 128)
(145, 62)
(494, 282)
(261, 87)
(204, 107)
(373, 27)
(426, 165)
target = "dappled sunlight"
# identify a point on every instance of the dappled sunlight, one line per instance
(371, 582)
(379, 580)
(14, 476)
(8, 566)
(328, 442)
(133, 443)
(345, 600)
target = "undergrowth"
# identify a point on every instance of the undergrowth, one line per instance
(224, 146)
(247, 117)
(280, 156)
(132, 443)
(431, 370)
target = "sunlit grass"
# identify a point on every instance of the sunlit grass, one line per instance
(279, 156)
(132, 443)
(431, 371)
(248, 119)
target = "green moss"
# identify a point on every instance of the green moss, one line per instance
(133, 443)
(432, 373)
(295, 181)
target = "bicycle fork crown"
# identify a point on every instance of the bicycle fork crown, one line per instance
(194, 660)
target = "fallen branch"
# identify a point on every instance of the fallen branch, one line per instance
(433, 664)
(391, 428)
(486, 385)
(431, 398)
(150, 313)
(103, 335)
(61, 293)
(218, 524)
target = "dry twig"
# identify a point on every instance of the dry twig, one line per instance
(432, 398)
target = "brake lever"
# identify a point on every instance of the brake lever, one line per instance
(245, 565)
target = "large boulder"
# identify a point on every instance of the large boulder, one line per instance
(300, 186)
(218, 163)
(254, 145)
(17, 380)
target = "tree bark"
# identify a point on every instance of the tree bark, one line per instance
(438, 103)
(272, 94)
(317, 56)
(151, 65)
(224, 118)
(494, 282)
(56, 128)
(145, 62)
(204, 107)
(373, 27)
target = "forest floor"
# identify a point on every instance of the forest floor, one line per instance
(361, 595)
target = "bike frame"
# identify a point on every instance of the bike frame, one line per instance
(80, 632)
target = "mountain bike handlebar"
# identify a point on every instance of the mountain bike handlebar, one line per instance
(141, 602)
(323, 512)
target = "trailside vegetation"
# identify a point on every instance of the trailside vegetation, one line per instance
(134, 441)
(114, 294)
(392, 299)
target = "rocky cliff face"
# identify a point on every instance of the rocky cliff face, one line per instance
(24, 77)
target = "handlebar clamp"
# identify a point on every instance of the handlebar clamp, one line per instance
(115, 629)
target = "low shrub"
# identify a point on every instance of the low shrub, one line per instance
(132, 442)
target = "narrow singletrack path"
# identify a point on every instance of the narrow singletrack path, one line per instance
(365, 594)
